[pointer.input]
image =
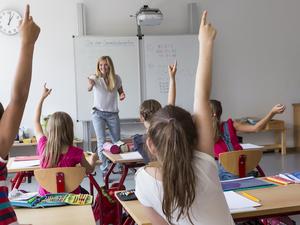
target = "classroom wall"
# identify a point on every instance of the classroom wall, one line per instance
(256, 53)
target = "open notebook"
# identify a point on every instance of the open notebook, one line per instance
(239, 203)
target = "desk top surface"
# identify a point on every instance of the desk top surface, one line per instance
(21, 169)
(283, 199)
(32, 168)
(17, 144)
(65, 215)
(116, 158)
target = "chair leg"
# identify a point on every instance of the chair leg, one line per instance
(260, 171)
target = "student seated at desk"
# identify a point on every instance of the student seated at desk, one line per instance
(225, 136)
(149, 107)
(56, 149)
(11, 116)
(184, 187)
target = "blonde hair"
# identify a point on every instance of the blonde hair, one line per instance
(148, 108)
(60, 134)
(173, 133)
(216, 108)
(111, 76)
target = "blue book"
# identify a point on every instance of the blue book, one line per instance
(244, 183)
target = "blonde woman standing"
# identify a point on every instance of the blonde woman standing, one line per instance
(106, 86)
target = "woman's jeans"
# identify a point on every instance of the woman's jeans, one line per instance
(100, 120)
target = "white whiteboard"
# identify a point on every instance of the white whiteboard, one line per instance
(160, 51)
(124, 52)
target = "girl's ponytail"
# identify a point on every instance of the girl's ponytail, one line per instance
(173, 133)
(216, 108)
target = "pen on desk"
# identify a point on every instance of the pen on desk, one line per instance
(251, 197)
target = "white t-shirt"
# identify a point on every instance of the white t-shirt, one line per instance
(105, 100)
(209, 206)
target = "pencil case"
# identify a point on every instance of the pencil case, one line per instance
(128, 195)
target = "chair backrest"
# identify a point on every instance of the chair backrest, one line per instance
(241, 162)
(60, 179)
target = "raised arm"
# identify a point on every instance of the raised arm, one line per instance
(12, 115)
(38, 130)
(172, 69)
(202, 111)
(244, 127)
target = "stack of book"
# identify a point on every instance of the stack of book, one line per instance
(279, 180)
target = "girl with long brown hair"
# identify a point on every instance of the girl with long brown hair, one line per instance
(55, 146)
(183, 186)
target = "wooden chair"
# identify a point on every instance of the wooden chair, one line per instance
(241, 162)
(60, 179)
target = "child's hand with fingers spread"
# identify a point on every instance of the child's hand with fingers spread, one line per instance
(29, 31)
(207, 32)
(46, 91)
(172, 69)
(277, 109)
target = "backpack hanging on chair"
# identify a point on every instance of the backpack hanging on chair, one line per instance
(105, 207)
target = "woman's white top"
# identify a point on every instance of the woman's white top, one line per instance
(105, 100)
(209, 207)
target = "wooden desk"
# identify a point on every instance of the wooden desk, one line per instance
(135, 210)
(116, 158)
(278, 127)
(279, 200)
(27, 171)
(17, 144)
(66, 215)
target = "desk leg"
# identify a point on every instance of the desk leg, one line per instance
(119, 213)
(283, 142)
(19, 180)
(106, 179)
(123, 177)
(14, 180)
(128, 221)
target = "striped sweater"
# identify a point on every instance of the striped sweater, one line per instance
(7, 214)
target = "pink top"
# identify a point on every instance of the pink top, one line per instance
(229, 140)
(70, 159)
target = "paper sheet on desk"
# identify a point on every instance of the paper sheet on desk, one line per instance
(239, 203)
(131, 155)
(250, 146)
(24, 164)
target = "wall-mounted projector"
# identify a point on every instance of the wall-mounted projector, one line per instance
(148, 17)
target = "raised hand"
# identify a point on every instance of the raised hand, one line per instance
(29, 31)
(277, 109)
(46, 91)
(172, 69)
(207, 32)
